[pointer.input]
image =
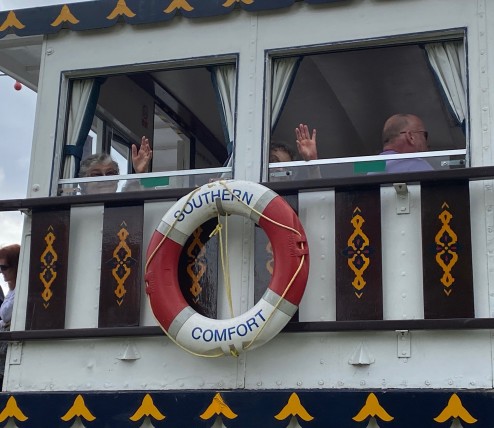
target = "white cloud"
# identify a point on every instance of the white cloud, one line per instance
(10, 227)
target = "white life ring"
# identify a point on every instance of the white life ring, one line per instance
(211, 337)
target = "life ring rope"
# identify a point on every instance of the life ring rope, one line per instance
(165, 236)
(287, 288)
(225, 267)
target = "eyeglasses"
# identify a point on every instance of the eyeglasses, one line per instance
(102, 173)
(4, 268)
(426, 133)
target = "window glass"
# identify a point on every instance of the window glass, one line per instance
(179, 112)
(348, 95)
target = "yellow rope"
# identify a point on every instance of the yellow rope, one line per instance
(172, 226)
(226, 269)
(291, 280)
(225, 265)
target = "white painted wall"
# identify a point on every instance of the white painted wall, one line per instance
(438, 359)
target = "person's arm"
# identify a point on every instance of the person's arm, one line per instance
(141, 156)
(6, 308)
(306, 143)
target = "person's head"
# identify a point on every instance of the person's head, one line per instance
(278, 152)
(405, 133)
(9, 261)
(99, 165)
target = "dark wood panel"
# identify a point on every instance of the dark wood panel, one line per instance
(121, 255)
(358, 255)
(263, 257)
(48, 270)
(198, 270)
(447, 251)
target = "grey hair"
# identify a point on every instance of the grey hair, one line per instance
(99, 158)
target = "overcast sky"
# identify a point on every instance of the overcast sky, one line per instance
(16, 122)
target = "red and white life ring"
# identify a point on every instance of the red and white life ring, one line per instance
(212, 337)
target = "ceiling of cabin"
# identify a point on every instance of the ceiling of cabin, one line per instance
(20, 57)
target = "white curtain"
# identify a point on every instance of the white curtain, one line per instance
(225, 83)
(80, 113)
(284, 71)
(448, 61)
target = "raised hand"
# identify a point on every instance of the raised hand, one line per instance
(141, 156)
(306, 143)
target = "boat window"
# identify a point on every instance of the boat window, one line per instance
(180, 111)
(347, 96)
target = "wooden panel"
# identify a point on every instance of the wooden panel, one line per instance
(121, 255)
(48, 270)
(198, 270)
(358, 255)
(447, 251)
(263, 257)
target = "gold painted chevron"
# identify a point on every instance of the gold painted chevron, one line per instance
(11, 22)
(78, 410)
(294, 408)
(64, 16)
(228, 3)
(121, 9)
(12, 410)
(372, 408)
(219, 408)
(178, 4)
(147, 409)
(455, 409)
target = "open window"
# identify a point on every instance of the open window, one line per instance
(347, 94)
(186, 113)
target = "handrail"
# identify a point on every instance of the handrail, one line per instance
(283, 188)
(291, 327)
(349, 183)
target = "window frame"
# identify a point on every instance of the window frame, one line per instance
(443, 35)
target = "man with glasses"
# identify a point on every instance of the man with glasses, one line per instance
(405, 133)
(102, 165)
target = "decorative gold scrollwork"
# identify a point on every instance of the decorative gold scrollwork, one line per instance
(357, 252)
(197, 267)
(270, 261)
(48, 260)
(446, 242)
(122, 263)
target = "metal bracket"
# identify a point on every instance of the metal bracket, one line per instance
(404, 347)
(129, 352)
(26, 211)
(15, 353)
(402, 198)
